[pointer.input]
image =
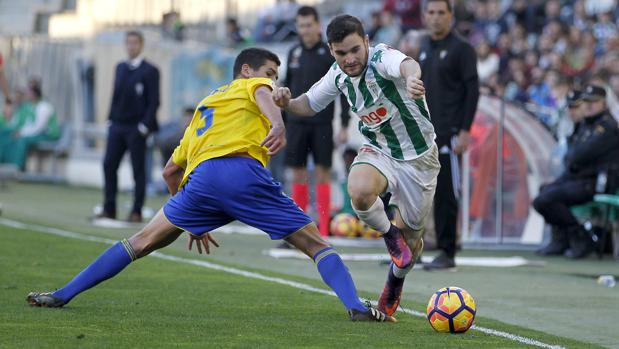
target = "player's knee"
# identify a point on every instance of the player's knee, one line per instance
(362, 197)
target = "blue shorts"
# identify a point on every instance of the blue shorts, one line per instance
(222, 190)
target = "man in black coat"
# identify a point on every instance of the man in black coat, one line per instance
(449, 72)
(133, 117)
(590, 163)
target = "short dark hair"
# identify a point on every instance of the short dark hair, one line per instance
(308, 11)
(255, 58)
(136, 33)
(447, 2)
(342, 26)
(35, 87)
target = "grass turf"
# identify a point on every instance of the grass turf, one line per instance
(157, 303)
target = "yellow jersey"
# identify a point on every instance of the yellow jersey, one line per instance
(226, 122)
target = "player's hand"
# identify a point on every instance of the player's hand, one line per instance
(275, 140)
(462, 143)
(202, 240)
(281, 96)
(415, 88)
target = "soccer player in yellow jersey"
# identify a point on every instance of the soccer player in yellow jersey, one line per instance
(216, 175)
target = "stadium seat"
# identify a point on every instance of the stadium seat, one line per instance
(610, 203)
(55, 150)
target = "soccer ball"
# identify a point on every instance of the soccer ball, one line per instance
(344, 225)
(451, 309)
(367, 232)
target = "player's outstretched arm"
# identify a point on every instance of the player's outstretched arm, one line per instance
(173, 175)
(411, 72)
(299, 106)
(276, 139)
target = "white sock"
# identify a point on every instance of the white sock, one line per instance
(401, 273)
(375, 216)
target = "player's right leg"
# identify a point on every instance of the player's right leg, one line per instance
(365, 184)
(334, 273)
(158, 233)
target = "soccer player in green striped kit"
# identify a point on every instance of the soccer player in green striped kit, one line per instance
(399, 155)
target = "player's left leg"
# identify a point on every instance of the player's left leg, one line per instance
(334, 273)
(392, 292)
(158, 233)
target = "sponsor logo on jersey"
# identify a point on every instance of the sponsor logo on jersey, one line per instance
(375, 116)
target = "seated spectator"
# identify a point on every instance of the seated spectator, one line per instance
(170, 134)
(233, 32)
(592, 152)
(22, 110)
(41, 126)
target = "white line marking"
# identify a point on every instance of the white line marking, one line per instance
(249, 274)
(491, 262)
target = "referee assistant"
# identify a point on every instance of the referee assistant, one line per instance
(308, 61)
(449, 71)
(132, 118)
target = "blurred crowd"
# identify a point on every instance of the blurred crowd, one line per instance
(532, 52)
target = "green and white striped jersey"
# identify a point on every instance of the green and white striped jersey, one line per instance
(390, 121)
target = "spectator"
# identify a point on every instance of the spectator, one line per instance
(170, 134)
(603, 29)
(275, 23)
(579, 57)
(407, 11)
(38, 126)
(449, 69)
(4, 86)
(487, 61)
(133, 117)
(233, 32)
(307, 62)
(389, 32)
(411, 43)
(375, 25)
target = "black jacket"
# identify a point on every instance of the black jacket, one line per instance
(136, 95)
(305, 67)
(594, 147)
(449, 73)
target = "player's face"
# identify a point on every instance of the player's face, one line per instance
(438, 18)
(309, 30)
(133, 45)
(267, 70)
(351, 54)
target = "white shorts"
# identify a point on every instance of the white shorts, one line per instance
(411, 183)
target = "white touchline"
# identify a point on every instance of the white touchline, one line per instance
(249, 274)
